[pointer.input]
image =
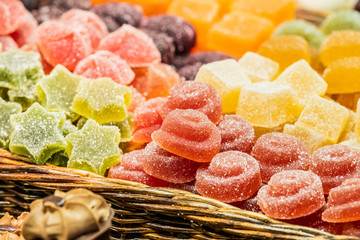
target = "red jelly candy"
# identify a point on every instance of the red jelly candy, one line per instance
(137, 99)
(131, 168)
(236, 134)
(277, 152)
(12, 15)
(230, 177)
(190, 186)
(105, 64)
(291, 194)
(343, 202)
(91, 22)
(7, 43)
(26, 33)
(194, 95)
(351, 229)
(250, 204)
(61, 44)
(147, 120)
(167, 166)
(133, 45)
(334, 164)
(189, 134)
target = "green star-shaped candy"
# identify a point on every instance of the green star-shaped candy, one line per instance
(6, 110)
(25, 96)
(94, 148)
(68, 127)
(126, 127)
(37, 133)
(102, 100)
(57, 90)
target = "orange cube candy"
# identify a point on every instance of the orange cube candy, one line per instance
(277, 11)
(224, 6)
(286, 50)
(238, 32)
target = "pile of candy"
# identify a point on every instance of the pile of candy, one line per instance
(273, 130)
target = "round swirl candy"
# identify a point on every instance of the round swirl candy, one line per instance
(291, 194)
(230, 177)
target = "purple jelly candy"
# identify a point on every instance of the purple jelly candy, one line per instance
(189, 72)
(205, 57)
(164, 43)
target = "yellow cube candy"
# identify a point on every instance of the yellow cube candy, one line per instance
(228, 78)
(258, 68)
(325, 117)
(349, 130)
(357, 122)
(305, 81)
(268, 104)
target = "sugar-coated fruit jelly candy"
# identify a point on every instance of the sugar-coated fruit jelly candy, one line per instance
(339, 45)
(167, 166)
(341, 20)
(105, 64)
(70, 4)
(31, 4)
(12, 15)
(45, 13)
(190, 186)
(26, 33)
(74, 43)
(131, 168)
(7, 43)
(164, 43)
(230, 177)
(155, 80)
(89, 21)
(258, 68)
(285, 50)
(194, 95)
(325, 117)
(126, 127)
(268, 104)
(227, 77)
(37, 133)
(6, 110)
(189, 134)
(291, 194)
(236, 134)
(137, 99)
(233, 29)
(25, 96)
(277, 152)
(334, 164)
(343, 202)
(249, 204)
(147, 119)
(350, 229)
(132, 45)
(102, 100)
(205, 57)
(188, 72)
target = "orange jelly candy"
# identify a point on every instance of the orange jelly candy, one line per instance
(239, 32)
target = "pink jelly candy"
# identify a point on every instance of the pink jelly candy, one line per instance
(236, 134)
(137, 99)
(291, 194)
(189, 134)
(7, 43)
(155, 80)
(91, 22)
(343, 202)
(26, 33)
(131, 168)
(276, 152)
(147, 120)
(60, 43)
(230, 177)
(105, 64)
(334, 164)
(194, 95)
(12, 15)
(167, 166)
(132, 45)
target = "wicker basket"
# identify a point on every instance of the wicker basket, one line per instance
(143, 212)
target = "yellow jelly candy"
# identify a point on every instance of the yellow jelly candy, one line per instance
(324, 117)
(339, 45)
(228, 78)
(357, 122)
(267, 104)
(349, 130)
(237, 33)
(342, 76)
(258, 68)
(285, 50)
(303, 79)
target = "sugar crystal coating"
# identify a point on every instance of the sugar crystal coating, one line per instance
(291, 194)
(231, 176)
(188, 72)
(7, 43)
(6, 110)
(25, 96)
(168, 166)
(12, 15)
(26, 33)
(37, 133)
(341, 20)
(137, 99)
(125, 127)
(334, 164)
(164, 43)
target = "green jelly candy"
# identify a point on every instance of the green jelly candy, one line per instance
(68, 127)
(126, 127)
(94, 148)
(25, 96)
(6, 110)
(303, 29)
(37, 133)
(342, 20)
(102, 100)
(19, 69)
(59, 159)
(81, 122)
(57, 90)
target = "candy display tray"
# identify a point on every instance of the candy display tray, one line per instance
(143, 212)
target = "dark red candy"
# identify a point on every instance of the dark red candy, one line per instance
(164, 43)
(205, 57)
(189, 72)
